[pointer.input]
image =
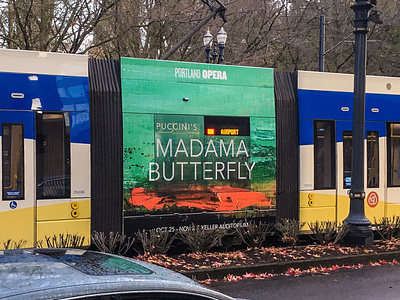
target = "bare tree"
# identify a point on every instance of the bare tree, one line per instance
(51, 25)
(283, 34)
(148, 28)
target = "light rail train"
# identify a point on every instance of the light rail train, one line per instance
(170, 144)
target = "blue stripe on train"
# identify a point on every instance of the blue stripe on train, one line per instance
(80, 128)
(56, 93)
(328, 105)
(79, 122)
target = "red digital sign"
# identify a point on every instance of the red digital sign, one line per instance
(228, 126)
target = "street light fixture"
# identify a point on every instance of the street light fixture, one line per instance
(221, 40)
(207, 39)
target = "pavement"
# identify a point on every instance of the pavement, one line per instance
(281, 267)
(367, 283)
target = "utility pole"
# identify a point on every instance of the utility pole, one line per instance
(321, 42)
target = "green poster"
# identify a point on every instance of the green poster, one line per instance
(190, 143)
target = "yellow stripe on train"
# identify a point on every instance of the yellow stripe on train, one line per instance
(332, 207)
(29, 227)
(16, 226)
(65, 217)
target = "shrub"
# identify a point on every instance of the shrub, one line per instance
(201, 240)
(114, 243)
(387, 227)
(38, 244)
(65, 241)
(10, 244)
(155, 242)
(255, 233)
(289, 230)
(326, 232)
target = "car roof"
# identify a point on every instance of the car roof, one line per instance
(68, 273)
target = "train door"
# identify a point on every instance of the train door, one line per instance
(62, 175)
(319, 203)
(393, 169)
(374, 170)
(52, 155)
(17, 178)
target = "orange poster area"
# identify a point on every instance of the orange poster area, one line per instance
(216, 198)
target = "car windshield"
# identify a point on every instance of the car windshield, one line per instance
(88, 262)
(94, 263)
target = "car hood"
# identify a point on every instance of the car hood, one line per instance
(58, 273)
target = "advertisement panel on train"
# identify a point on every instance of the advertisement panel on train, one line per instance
(197, 138)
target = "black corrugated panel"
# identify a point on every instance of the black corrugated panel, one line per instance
(287, 145)
(106, 144)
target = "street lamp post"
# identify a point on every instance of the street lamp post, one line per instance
(214, 55)
(221, 39)
(360, 232)
(208, 41)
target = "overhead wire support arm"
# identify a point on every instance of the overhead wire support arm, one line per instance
(220, 11)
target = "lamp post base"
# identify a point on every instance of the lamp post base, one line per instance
(359, 235)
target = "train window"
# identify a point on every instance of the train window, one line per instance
(13, 161)
(324, 155)
(393, 161)
(347, 153)
(52, 155)
(372, 159)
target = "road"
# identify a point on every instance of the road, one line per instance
(382, 282)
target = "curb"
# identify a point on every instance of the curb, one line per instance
(280, 267)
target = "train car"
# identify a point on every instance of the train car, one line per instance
(198, 144)
(325, 106)
(171, 144)
(45, 146)
(187, 136)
